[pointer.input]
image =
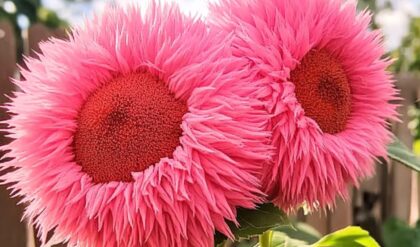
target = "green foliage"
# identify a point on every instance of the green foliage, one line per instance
(274, 230)
(367, 4)
(298, 234)
(348, 237)
(414, 126)
(279, 239)
(300, 231)
(408, 55)
(398, 233)
(254, 222)
(399, 152)
(415, 123)
(50, 18)
(257, 221)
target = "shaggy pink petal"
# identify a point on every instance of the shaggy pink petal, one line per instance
(310, 165)
(180, 200)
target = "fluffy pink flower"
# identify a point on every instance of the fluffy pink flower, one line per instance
(327, 92)
(135, 132)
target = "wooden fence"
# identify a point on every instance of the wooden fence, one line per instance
(392, 192)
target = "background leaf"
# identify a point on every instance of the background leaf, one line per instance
(399, 152)
(300, 231)
(254, 222)
(257, 221)
(279, 239)
(219, 239)
(398, 233)
(348, 237)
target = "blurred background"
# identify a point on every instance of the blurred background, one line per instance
(386, 205)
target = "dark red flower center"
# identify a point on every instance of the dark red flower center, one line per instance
(323, 90)
(126, 126)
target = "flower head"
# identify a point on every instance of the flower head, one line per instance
(327, 92)
(135, 132)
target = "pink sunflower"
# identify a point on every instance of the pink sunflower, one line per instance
(135, 132)
(327, 92)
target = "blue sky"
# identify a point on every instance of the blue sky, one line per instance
(393, 22)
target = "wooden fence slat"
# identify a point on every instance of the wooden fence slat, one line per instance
(38, 33)
(341, 216)
(329, 221)
(401, 177)
(319, 221)
(418, 180)
(367, 199)
(7, 62)
(12, 231)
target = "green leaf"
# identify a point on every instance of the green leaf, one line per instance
(279, 239)
(398, 233)
(348, 237)
(49, 18)
(219, 239)
(300, 231)
(416, 147)
(399, 152)
(255, 222)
